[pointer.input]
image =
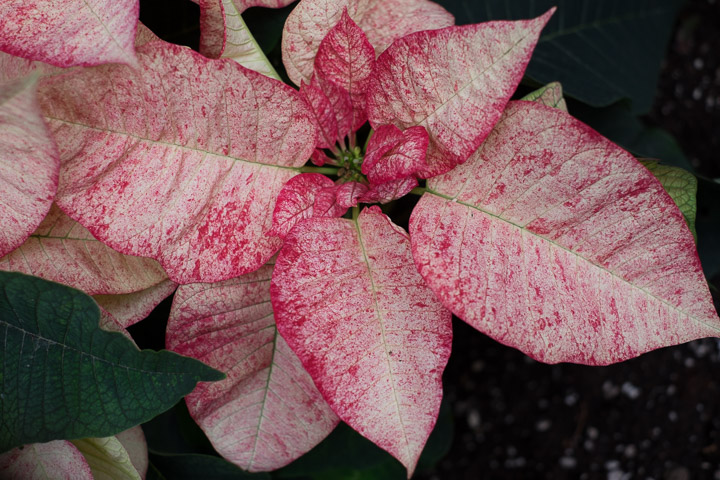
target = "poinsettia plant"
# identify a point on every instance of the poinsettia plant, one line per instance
(137, 168)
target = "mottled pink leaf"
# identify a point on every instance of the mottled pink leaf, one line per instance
(29, 163)
(181, 160)
(382, 21)
(63, 251)
(455, 82)
(326, 203)
(347, 194)
(70, 32)
(128, 309)
(331, 108)
(389, 191)
(557, 242)
(393, 154)
(267, 412)
(58, 459)
(350, 303)
(295, 201)
(346, 59)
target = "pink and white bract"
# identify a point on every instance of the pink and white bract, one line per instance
(531, 227)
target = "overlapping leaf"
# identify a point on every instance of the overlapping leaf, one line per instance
(225, 34)
(108, 458)
(181, 160)
(70, 32)
(267, 412)
(64, 377)
(555, 241)
(350, 303)
(29, 163)
(128, 309)
(455, 82)
(383, 21)
(63, 251)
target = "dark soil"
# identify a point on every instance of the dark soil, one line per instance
(657, 416)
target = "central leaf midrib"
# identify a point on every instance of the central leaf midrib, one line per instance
(82, 352)
(169, 144)
(576, 254)
(382, 332)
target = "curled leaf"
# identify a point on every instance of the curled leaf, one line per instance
(389, 191)
(455, 82)
(555, 241)
(295, 201)
(393, 154)
(350, 303)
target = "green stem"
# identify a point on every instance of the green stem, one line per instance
(322, 170)
(355, 212)
(418, 190)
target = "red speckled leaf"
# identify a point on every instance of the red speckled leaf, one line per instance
(557, 242)
(70, 32)
(389, 191)
(331, 108)
(58, 459)
(455, 82)
(350, 303)
(63, 251)
(382, 21)
(295, 201)
(128, 309)
(29, 164)
(393, 154)
(181, 160)
(346, 59)
(267, 412)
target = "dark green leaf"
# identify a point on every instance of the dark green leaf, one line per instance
(63, 377)
(346, 455)
(620, 125)
(600, 50)
(207, 467)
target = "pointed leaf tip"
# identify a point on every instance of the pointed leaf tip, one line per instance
(557, 242)
(53, 343)
(351, 304)
(455, 82)
(383, 21)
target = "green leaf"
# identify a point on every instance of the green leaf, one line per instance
(207, 467)
(550, 95)
(601, 51)
(63, 377)
(681, 185)
(346, 455)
